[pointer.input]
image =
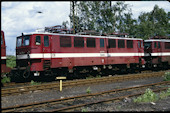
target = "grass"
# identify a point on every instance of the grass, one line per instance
(35, 83)
(90, 77)
(84, 110)
(150, 96)
(88, 90)
(164, 94)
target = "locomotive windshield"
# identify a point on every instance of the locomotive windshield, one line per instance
(147, 45)
(19, 41)
(26, 40)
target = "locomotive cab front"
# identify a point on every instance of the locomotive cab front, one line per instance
(31, 49)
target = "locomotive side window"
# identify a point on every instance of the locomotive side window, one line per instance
(112, 43)
(65, 41)
(26, 40)
(19, 41)
(101, 42)
(121, 43)
(129, 43)
(167, 45)
(159, 45)
(38, 40)
(78, 42)
(155, 45)
(46, 41)
(91, 42)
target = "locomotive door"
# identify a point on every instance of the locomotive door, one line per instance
(46, 47)
(159, 49)
(140, 50)
(47, 55)
(103, 51)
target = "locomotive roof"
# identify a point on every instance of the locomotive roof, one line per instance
(47, 33)
(162, 40)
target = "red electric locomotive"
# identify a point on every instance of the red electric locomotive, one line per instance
(4, 68)
(48, 55)
(157, 53)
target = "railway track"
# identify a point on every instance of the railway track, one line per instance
(77, 102)
(12, 84)
(49, 86)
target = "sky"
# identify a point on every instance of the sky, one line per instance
(22, 17)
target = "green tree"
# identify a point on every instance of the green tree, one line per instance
(154, 23)
(101, 16)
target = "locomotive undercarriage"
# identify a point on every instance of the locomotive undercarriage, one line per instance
(97, 70)
(23, 74)
(159, 65)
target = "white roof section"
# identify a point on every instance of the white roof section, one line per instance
(91, 36)
(160, 40)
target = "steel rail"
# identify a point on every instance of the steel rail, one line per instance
(57, 101)
(25, 89)
(70, 108)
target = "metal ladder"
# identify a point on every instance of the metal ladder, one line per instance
(46, 67)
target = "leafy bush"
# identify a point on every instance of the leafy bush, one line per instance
(5, 80)
(11, 61)
(167, 76)
(149, 96)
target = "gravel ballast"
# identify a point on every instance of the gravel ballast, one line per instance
(39, 96)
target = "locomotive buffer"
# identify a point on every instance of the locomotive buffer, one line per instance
(60, 78)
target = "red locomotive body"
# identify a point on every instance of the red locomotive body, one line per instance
(157, 53)
(4, 69)
(53, 54)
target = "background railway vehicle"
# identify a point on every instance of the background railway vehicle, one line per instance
(4, 69)
(47, 55)
(157, 53)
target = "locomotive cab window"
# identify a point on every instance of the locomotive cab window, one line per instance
(78, 42)
(91, 42)
(121, 43)
(129, 43)
(19, 41)
(46, 41)
(112, 43)
(26, 40)
(65, 41)
(38, 40)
